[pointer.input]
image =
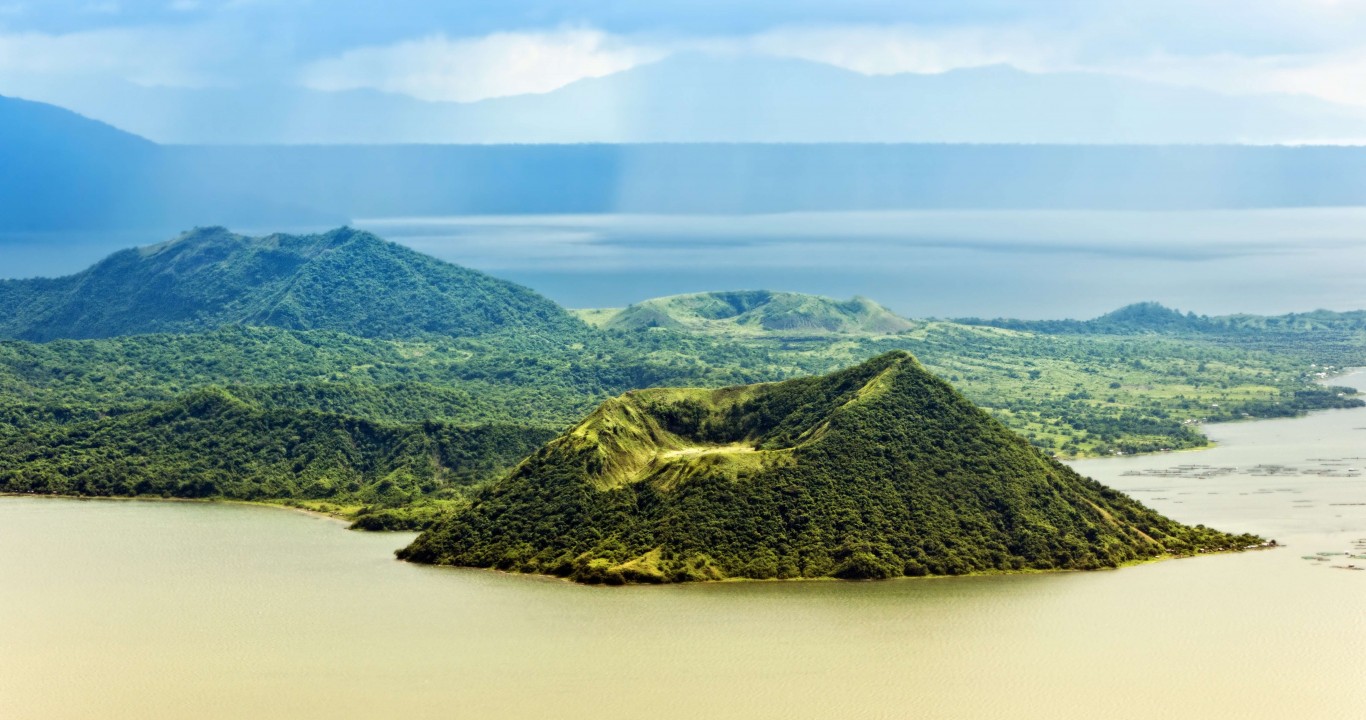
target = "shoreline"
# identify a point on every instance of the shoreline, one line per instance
(318, 514)
(542, 577)
(345, 523)
(1211, 444)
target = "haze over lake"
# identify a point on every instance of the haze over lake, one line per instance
(1001, 263)
(280, 614)
(1029, 264)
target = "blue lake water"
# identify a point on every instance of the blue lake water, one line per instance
(1029, 264)
(1041, 264)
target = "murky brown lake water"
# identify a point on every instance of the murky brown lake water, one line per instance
(119, 609)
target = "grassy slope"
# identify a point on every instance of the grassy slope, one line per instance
(753, 313)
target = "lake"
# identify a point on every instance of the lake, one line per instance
(129, 609)
(929, 263)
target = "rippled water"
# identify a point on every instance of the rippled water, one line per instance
(121, 609)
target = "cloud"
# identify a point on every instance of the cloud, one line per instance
(1334, 74)
(146, 56)
(1340, 77)
(892, 49)
(513, 63)
(472, 51)
(439, 68)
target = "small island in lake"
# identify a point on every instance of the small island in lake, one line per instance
(880, 470)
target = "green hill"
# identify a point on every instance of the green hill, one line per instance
(875, 471)
(212, 444)
(1146, 316)
(751, 312)
(343, 280)
(1132, 319)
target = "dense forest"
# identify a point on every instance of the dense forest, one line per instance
(329, 333)
(210, 444)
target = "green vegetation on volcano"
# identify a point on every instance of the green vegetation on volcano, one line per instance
(343, 280)
(877, 471)
(750, 312)
(464, 380)
(1139, 379)
(452, 347)
(1083, 395)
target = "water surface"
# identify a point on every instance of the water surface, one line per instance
(928, 263)
(126, 609)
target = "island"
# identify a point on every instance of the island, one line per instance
(880, 470)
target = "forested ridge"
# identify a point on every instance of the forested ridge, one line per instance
(344, 280)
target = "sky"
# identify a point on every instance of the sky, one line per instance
(470, 50)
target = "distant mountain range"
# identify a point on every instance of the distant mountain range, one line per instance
(798, 316)
(699, 98)
(62, 172)
(67, 174)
